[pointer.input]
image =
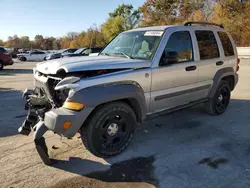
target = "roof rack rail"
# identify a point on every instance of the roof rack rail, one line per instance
(203, 23)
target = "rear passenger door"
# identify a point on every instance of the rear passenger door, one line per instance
(209, 59)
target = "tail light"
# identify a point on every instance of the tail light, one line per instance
(238, 67)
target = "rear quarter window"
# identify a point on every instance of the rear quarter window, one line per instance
(207, 44)
(226, 44)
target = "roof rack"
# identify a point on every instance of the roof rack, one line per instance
(203, 23)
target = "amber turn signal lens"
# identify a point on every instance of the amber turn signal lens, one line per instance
(67, 125)
(73, 105)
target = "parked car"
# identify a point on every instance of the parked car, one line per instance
(32, 56)
(5, 58)
(142, 73)
(60, 53)
(13, 52)
(83, 52)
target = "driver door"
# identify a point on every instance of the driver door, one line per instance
(174, 80)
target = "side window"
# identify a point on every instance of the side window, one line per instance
(71, 50)
(208, 47)
(178, 49)
(95, 50)
(226, 44)
(86, 52)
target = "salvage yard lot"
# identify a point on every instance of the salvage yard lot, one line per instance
(185, 149)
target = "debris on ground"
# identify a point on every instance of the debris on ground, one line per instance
(55, 147)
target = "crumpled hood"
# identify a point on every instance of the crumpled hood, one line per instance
(74, 64)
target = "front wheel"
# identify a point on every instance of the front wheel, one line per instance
(220, 101)
(109, 130)
(23, 58)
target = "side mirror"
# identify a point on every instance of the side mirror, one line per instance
(169, 57)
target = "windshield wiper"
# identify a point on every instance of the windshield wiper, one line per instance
(124, 54)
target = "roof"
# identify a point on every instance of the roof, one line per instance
(165, 27)
(153, 28)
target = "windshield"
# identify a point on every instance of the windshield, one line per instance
(61, 51)
(79, 51)
(137, 44)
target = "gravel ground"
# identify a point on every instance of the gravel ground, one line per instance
(185, 149)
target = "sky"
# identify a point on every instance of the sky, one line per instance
(54, 17)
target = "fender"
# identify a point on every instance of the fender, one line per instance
(127, 90)
(228, 71)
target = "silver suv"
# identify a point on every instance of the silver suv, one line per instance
(141, 73)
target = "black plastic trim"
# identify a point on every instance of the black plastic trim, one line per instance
(161, 97)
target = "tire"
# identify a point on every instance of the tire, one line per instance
(220, 101)
(109, 129)
(1, 66)
(44, 59)
(23, 58)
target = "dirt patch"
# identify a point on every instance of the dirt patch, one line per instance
(136, 172)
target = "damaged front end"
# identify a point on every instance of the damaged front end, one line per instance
(37, 106)
(47, 110)
(39, 101)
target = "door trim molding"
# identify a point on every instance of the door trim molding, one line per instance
(165, 96)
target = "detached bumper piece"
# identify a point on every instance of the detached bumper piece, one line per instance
(34, 122)
(28, 123)
(40, 143)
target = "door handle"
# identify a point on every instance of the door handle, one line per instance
(191, 68)
(219, 63)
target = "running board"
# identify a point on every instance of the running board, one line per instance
(174, 109)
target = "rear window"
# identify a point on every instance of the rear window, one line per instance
(208, 47)
(2, 50)
(226, 44)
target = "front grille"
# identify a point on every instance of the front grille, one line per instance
(47, 85)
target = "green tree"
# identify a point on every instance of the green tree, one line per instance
(235, 17)
(56, 45)
(121, 19)
(188, 8)
(2, 43)
(112, 27)
(24, 42)
(159, 12)
(38, 41)
(13, 42)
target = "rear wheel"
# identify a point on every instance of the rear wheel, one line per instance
(109, 130)
(220, 101)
